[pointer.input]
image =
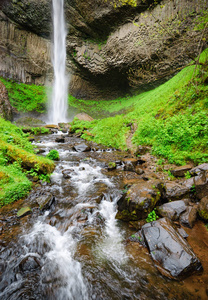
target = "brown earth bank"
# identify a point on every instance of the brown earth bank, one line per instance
(110, 50)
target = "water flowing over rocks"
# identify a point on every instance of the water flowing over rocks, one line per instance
(75, 245)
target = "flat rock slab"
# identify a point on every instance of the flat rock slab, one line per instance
(172, 254)
(24, 211)
(180, 171)
(172, 210)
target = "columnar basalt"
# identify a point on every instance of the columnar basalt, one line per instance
(111, 48)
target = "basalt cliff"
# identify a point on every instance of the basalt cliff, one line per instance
(112, 47)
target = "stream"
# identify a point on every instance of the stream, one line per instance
(77, 250)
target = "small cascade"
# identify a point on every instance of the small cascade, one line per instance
(61, 276)
(58, 105)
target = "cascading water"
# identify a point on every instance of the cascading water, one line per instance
(58, 109)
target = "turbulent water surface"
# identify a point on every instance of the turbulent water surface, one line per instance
(77, 249)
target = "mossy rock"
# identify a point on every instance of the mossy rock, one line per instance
(203, 208)
(139, 201)
(24, 211)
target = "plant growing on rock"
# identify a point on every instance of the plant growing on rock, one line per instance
(152, 216)
(53, 155)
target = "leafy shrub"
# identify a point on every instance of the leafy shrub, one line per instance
(53, 155)
(152, 216)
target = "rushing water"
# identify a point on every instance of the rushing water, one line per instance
(77, 250)
(58, 109)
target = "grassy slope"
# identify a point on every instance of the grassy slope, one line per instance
(172, 118)
(16, 154)
(20, 96)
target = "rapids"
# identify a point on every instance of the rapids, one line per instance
(77, 250)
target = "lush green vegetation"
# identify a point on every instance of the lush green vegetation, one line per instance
(53, 155)
(17, 159)
(36, 130)
(172, 118)
(26, 97)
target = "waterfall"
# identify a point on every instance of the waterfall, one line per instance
(58, 108)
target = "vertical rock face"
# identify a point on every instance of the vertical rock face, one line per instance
(111, 47)
(24, 56)
(131, 47)
(5, 106)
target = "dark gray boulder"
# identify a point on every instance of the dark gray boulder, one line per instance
(60, 139)
(176, 191)
(172, 210)
(67, 173)
(130, 164)
(45, 201)
(82, 148)
(201, 168)
(188, 218)
(171, 253)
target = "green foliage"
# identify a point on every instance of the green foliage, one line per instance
(37, 130)
(13, 183)
(187, 175)
(172, 118)
(110, 132)
(152, 216)
(16, 154)
(53, 155)
(26, 97)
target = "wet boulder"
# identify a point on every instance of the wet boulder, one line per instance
(201, 185)
(188, 218)
(82, 148)
(67, 173)
(45, 201)
(60, 139)
(172, 254)
(203, 208)
(172, 210)
(140, 199)
(199, 169)
(180, 171)
(176, 191)
(30, 263)
(130, 164)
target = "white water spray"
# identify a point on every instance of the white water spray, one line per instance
(58, 109)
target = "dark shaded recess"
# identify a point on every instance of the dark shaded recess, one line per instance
(112, 84)
(103, 26)
(33, 16)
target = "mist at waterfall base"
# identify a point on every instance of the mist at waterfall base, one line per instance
(58, 103)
